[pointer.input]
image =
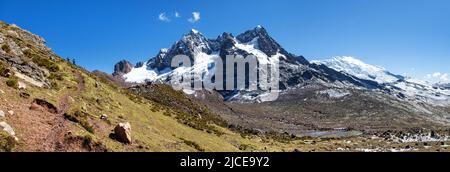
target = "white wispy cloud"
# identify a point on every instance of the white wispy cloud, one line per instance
(163, 17)
(177, 14)
(195, 17)
(438, 76)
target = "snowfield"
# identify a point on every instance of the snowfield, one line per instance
(359, 69)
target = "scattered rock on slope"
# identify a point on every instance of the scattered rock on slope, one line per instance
(104, 117)
(22, 85)
(24, 95)
(122, 132)
(8, 129)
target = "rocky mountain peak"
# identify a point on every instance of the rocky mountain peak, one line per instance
(122, 67)
(191, 44)
(264, 41)
(160, 61)
(194, 42)
(224, 41)
(249, 35)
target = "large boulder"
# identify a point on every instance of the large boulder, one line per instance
(122, 132)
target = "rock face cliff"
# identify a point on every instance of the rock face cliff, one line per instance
(121, 68)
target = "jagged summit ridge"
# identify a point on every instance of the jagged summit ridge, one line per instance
(194, 43)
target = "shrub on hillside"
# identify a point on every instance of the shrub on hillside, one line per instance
(41, 61)
(80, 118)
(7, 142)
(193, 144)
(4, 70)
(12, 82)
(6, 48)
(56, 76)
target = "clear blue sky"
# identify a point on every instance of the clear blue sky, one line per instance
(404, 36)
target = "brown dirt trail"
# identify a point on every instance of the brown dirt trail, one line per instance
(61, 127)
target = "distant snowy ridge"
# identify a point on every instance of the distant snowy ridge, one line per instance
(356, 67)
(403, 87)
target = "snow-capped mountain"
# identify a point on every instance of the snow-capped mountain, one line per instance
(402, 86)
(360, 69)
(294, 70)
(321, 92)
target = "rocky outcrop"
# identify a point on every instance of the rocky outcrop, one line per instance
(122, 133)
(108, 77)
(27, 71)
(21, 50)
(121, 68)
(139, 64)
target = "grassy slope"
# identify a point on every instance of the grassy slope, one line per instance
(151, 130)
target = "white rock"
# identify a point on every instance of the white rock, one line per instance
(2, 92)
(11, 112)
(71, 99)
(104, 117)
(2, 39)
(2, 114)
(7, 128)
(22, 86)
